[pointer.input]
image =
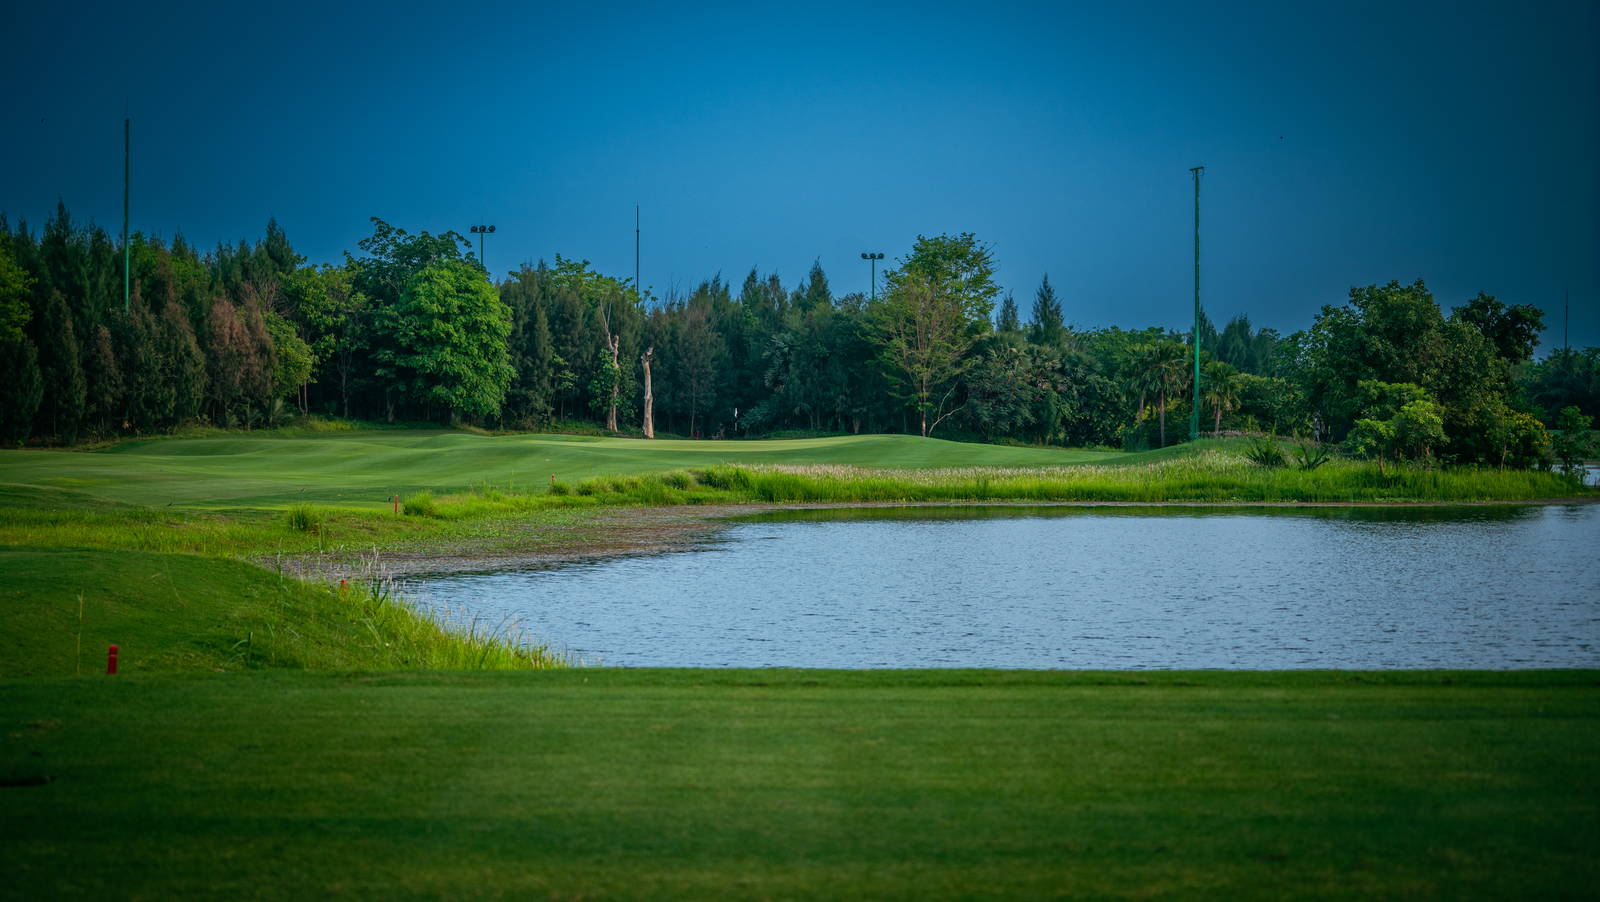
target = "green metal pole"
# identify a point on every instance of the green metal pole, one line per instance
(1194, 412)
(874, 278)
(127, 133)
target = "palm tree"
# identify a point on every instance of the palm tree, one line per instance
(1221, 390)
(1170, 364)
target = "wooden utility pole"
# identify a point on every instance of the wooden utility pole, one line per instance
(649, 398)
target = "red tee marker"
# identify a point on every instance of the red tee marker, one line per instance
(111, 659)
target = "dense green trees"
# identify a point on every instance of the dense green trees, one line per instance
(442, 345)
(413, 329)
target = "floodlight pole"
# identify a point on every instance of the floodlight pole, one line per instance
(127, 141)
(1194, 412)
(637, 288)
(874, 257)
(480, 231)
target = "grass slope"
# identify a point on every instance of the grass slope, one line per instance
(244, 470)
(802, 785)
(176, 612)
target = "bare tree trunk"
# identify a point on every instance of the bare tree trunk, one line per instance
(649, 398)
(612, 342)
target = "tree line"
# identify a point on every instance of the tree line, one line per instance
(411, 328)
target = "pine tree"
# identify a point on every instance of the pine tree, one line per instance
(1009, 321)
(104, 404)
(814, 292)
(21, 390)
(1048, 328)
(61, 411)
(185, 366)
(149, 395)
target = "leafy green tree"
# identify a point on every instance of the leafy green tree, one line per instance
(394, 257)
(1003, 391)
(293, 360)
(331, 317)
(444, 342)
(1513, 331)
(1574, 442)
(924, 330)
(1371, 438)
(958, 268)
(1272, 403)
(1515, 438)
(1566, 378)
(1048, 327)
(1418, 430)
(603, 386)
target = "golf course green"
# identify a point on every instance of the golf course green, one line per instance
(278, 739)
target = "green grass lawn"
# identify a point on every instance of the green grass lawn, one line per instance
(617, 784)
(245, 470)
(274, 739)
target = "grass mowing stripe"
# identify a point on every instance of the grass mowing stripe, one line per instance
(806, 784)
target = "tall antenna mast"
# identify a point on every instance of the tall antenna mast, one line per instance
(1194, 411)
(127, 140)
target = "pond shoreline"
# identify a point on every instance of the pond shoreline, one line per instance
(643, 531)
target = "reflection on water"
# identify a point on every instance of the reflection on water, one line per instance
(1489, 587)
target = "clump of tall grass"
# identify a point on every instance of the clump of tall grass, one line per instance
(422, 504)
(1310, 455)
(305, 518)
(400, 634)
(1265, 452)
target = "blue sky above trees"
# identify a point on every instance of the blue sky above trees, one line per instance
(1344, 143)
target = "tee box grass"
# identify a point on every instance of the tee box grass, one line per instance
(644, 784)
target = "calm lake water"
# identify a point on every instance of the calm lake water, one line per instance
(1080, 588)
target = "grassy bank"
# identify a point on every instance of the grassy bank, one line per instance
(1212, 475)
(803, 785)
(176, 612)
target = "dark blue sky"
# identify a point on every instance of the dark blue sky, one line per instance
(1344, 143)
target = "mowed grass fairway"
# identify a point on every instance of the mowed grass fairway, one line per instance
(617, 784)
(275, 739)
(368, 467)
